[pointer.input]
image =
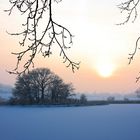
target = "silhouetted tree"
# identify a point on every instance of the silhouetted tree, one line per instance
(126, 99)
(37, 39)
(138, 92)
(111, 99)
(60, 91)
(41, 86)
(22, 90)
(41, 79)
(83, 98)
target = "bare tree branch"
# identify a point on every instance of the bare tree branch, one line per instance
(36, 11)
(130, 8)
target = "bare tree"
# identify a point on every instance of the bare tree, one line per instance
(138, 92)
(60, 91)
(32, 87)
(38, 40)
(40, 79)
(130, 8)
(22, 91)
(83, 98)
(111, 99)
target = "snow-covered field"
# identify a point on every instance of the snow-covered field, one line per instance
(110, 122)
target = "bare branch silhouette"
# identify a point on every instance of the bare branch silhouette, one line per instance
(40, 40)
(130, 9)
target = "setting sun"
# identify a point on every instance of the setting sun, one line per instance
(105, 69)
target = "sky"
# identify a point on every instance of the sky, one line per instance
(99, 44)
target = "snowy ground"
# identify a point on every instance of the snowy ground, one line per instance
(110, 122)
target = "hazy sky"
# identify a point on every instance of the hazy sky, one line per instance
(100, 45)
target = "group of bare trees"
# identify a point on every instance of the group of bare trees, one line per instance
(41, 86)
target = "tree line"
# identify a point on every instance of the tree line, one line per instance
(41, 86)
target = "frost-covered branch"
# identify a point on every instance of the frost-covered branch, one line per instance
(130, 9)
(38, 40)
